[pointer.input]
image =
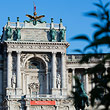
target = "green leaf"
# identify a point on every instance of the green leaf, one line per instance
(107, 4)
(82, 37)
(85, 58)
(78, 50)
(97, 26)
(94, 14)
(102, 41)
(97, 33)
(98, 5)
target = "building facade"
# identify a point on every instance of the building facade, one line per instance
(35, 71)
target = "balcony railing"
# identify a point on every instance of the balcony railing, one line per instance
(77, 58)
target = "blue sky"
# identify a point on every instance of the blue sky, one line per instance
(71, 11)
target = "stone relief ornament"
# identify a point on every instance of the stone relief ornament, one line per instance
(35, 46)
(23, 58)
(13, 81)
(33, 87)
(66, 102)
(53, 34)
(62, 34)
(17, 34)
(46, 57)
(9, 33)
(58, 81)
(69, 78)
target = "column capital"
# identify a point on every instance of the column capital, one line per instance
(63, 53)
(73, 69)
(9, 51)
(54, 52)
(18, 52)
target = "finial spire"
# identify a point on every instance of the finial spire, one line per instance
(51, 20)
(60, 20)
(35, 17)
(34, 9)
(17, 19)
(8, 19)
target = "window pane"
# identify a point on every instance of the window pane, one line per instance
(34, 65)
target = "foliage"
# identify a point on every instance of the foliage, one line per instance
(100, 94)
(79, 95)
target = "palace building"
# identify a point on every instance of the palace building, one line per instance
(35, 71)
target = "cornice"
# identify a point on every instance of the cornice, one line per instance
(41, 43)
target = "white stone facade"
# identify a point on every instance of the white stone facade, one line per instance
(36, 68)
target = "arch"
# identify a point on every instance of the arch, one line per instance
(35, 66)
(36, 63)
(36, 56)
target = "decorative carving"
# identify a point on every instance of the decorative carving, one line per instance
(17, 34)
(13, 81)
(62, 34)
(70, 78)
(67, 101)
(9, 32)
(34, 77)
(23, 58)
(35, 17)
(46, 57)
(58, 81)
(53, 34)
(31, 46)
(33, 87)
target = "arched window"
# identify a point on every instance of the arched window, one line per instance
(35, 63)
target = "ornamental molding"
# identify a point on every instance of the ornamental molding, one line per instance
(31, 47)
(66, 102)
(26, 56)
(22, 43)
(70, 78)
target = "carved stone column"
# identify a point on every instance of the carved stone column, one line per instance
(54, 69)
(47, 82)
(106, 71)
(9, 67)
(86, 83)
(63, 71)
(92, 84)
(28, 108)
(23, 84)
(18, 71)
(73, 80)
(27, 84)
(54, 88)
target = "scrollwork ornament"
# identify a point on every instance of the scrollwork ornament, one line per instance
(46, 57)
(69, 78)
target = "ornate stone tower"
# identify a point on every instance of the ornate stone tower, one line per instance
(34, 66)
